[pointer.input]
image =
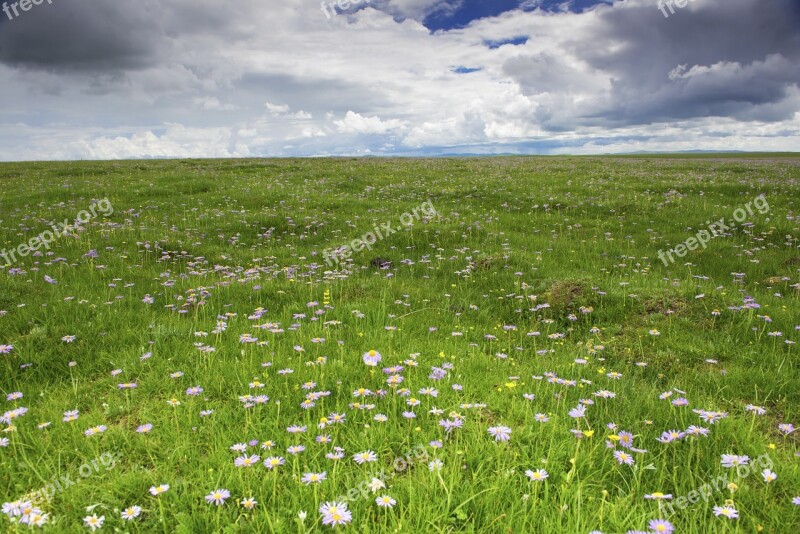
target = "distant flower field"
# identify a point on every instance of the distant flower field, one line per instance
(516, 359)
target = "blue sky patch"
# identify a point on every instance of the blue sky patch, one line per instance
(516, 41)
(472, 10)
(464, 70)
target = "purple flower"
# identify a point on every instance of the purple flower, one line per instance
(711, 417)
(697, 431)
(218, 497)
(623, 458)
(661, 525)
(335, 513)
(273, 462)
(537, 476)
(313, 478)
(158, 490)
(626, 439)
(71, 415)
(578, 411)
(768, 475)
(246, 461)
(385, 501)
(94, 522)
(500, 433)
(96, 430)
(365, 457)
(671, 435)
(732, 460)
(371, 358)
(728, 511)
(451, 424)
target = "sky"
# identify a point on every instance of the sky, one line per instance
(90, 79)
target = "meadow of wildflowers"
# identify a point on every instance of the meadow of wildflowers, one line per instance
(521, 362)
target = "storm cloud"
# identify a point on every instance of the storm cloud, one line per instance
(160, 78)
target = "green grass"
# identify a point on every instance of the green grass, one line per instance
(215, 240)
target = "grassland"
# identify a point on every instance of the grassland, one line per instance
(535, 289)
